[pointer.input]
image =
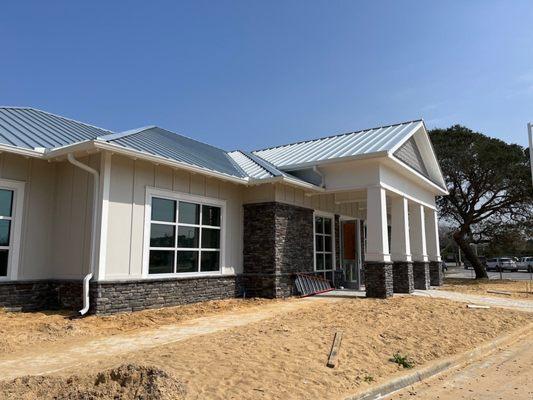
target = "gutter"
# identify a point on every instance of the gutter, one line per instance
(92, 263)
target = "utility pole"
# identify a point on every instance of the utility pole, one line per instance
(530, 131)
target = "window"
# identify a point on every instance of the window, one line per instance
(185, 236)
(11, 201)
(323, 244)
(6, 223)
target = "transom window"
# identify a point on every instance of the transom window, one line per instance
(323, 243)
(6, 224)
(184, 237)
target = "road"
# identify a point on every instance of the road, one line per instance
(460, 272)
(505, 374)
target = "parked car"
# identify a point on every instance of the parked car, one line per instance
(501, 264)
(526, 264)
(482, 260)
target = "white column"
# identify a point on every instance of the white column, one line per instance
(417, 232)
(432, 232)
(400, 243)
(377, 248)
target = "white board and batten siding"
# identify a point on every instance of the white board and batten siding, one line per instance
(126, 213)
(56, 216)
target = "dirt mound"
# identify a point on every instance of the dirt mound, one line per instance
(127, 382)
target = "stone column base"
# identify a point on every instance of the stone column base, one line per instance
(402, 276)
(436, 276)
(378, 279)
(421, 275)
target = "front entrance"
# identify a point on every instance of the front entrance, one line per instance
(350, 256)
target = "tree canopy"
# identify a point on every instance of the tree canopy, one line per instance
(489, 183)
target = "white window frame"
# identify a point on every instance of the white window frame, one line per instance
(333, 247)
(16, 227)
(178, 196)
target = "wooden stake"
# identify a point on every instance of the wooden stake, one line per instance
(332, 359)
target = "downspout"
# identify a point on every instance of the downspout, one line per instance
(92, 262)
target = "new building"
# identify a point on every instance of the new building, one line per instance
(148, 218)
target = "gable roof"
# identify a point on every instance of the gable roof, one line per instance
(37, 133)
(347, 145)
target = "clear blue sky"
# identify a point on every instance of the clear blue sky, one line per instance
(250, 74)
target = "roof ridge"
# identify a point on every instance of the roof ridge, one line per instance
(338, 135)
(129, 132)
(56, 115)
(267, 166)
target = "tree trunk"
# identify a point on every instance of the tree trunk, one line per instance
(459, 237)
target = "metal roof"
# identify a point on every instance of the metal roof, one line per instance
(160, 142)
(30, 128)
(334, 147)
(250, 167)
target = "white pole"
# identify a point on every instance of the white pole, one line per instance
(530, 131)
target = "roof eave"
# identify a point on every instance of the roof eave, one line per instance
(36, 153)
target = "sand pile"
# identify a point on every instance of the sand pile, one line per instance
(126, 382)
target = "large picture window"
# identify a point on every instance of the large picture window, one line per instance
(185, 237)
(323, 243)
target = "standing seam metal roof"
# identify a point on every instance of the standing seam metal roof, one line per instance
(31, 128)
(339, 146)
(160, 142)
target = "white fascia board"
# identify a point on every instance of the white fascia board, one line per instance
(439, 190)
(310, 164)
(37, 153)
(286, 180)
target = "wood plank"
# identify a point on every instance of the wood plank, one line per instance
(335, 347)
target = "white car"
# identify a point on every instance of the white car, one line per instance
(501, 263)
(525, 263)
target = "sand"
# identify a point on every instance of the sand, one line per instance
(517, 289)
(22, 330)
(127, 382)
(285, 356)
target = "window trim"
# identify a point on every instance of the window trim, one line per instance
(333, 243)
(180, 196)
(16, 228)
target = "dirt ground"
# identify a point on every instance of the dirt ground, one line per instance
(515, 289)
(20, 330)
(125, 382)
(285, 356)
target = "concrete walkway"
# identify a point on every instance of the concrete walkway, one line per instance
(505, 374)
(520, 305)
(56, 357)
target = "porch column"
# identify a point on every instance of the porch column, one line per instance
(432, 232)
(378, 266)
(401, 246)
(417, 235)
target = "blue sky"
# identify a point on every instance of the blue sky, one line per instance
(251, 74)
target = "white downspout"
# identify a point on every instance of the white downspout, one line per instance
(92, 262)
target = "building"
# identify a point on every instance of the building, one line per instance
(147, 218)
